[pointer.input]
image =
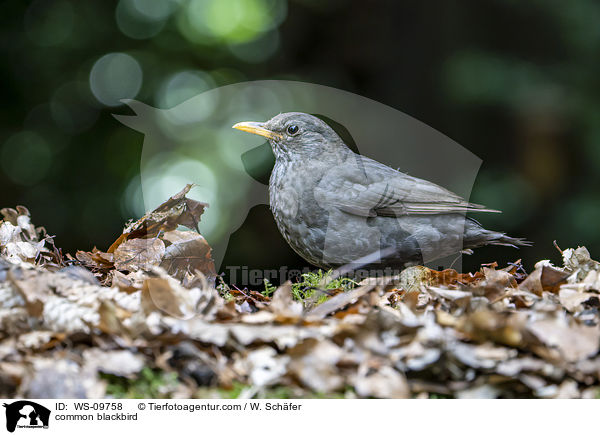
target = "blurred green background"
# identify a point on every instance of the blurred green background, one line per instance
(514, 82)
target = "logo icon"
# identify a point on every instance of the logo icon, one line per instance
(26, 414)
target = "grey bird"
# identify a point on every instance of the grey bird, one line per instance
(335, 207)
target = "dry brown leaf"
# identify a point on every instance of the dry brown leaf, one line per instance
(33, 287)
(283, 304)
(483, 325)
(177, 210)
(339, 301)
(154, 240)
(187, 253)
(378, 380)
(161, 294)
(265, 367)
(574, 341)
(314, 363)
(573, 300)
(544, 278)
(136, 254)
(95, 260)
(416, 277)
(115, 362)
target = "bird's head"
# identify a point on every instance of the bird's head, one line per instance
(296, 133)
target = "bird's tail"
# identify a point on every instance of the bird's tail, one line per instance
(476, 236)
(501, 239)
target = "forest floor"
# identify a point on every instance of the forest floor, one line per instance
(150, 318)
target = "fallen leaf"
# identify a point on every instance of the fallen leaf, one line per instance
(116, 362)
(187, 253)
(544, 278)
(164, 295)
(380, 381)
(314, 363)
(177, 210)
(283, 305)
(575, 342)
(136, 254)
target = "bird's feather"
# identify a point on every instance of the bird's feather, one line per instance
(365, 187)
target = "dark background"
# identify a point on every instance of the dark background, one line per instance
(514, 82)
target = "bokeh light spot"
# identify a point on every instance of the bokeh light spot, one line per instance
(134, 24)
(182, 86)
(155, 10)
(115, 76)
(177, 94)
(230, 21)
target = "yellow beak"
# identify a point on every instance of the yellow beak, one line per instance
(257, 128)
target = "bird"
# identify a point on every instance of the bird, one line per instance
(335, 207)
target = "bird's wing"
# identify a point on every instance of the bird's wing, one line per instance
(365, 187)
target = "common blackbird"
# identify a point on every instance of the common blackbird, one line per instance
(334, 206)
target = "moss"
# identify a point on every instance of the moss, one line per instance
(311, 284)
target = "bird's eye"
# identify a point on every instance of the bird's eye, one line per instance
(293, 130)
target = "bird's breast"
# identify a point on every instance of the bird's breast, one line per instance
(290, 188)
(300, 219)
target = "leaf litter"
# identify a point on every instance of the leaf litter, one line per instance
(70, 326)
